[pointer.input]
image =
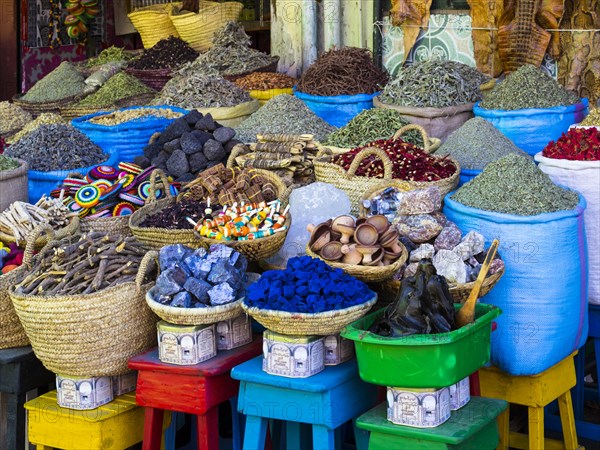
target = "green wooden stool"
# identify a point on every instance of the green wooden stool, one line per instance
(473, 427)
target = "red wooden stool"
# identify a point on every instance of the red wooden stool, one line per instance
(197, 390)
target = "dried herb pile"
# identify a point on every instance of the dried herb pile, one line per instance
(110, 54)
(409, 162)
(478, 143)
(127, 115)
(118, 87)
(230, 54)
(284, 114)
(96, 262)
(169, 53)
(198, 90)
(344, 71)
(63, 82)
(57, 147)
(577, 144)
(592, 119)
(372, 125)
(528, 87)
(264, 81)
(7, 163)
(42, 119)
(434, 83)
(514, 185)
(12, 117)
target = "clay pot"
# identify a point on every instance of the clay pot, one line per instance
(347, 232)
(332, 251)
(319, 236)
(366, 234)
(376, 258)
(342, 220)
(351, 255)
(380, 222)
(368, 251)
(389, 237)
(360, 221)
(390, 257)
(335, 236)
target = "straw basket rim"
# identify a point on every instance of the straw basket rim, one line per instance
(460, 292)
(320, 324)
(368, 274)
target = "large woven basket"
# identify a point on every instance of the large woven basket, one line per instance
(41, 240)
(153, 23)
(35, 109)
(198, 29)
(12, 333)
(93, 334)
(154, 78)
(304, 324)
(72, 111)
(368, 274)
(108, 225)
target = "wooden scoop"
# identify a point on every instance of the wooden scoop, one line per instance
(466, 314)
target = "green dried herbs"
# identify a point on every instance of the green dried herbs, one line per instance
(478, 143)
(372, 125)
(198, 90)
(434, 83)
(110, 54)
(42, 119)
(12, 118)
(514, 185)
(169, 53)
(57, 147)
(284, 114)
(62, 83)
(7, 163)
(118, 87)
(230, 54)
(592, 119)
(528, 87)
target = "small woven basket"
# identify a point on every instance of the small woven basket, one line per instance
(198, 29)
(368, 274)
(12, 333)
(153, 23)
(35, 109)
(304, 324)
(92, 334)
(154, 78)
(41, 240)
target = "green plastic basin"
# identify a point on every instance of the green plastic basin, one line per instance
(425, 360)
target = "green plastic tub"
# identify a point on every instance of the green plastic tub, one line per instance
(426, 360)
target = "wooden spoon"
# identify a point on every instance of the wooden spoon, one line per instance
(466, 314)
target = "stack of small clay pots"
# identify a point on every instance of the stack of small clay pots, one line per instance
(366, 241)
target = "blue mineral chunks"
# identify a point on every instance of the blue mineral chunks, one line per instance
(198, 278)
(307, 285)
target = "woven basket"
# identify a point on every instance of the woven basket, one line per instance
(460, 292)
(12, 333)
(93, 334)
(154, 78)
(72, 111)
(69, 230)
(304, 324)
(271, 67)
(368, 274)
(108, 225)
(153, 23)
(35, 109)
(198, 29)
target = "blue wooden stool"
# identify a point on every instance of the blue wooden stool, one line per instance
(326, 401)
(579, 393)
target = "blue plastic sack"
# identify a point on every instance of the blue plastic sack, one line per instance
(532, 129)
(467, 175)
(127, 140)
(543, 292)
(337, 110)
(41, 183)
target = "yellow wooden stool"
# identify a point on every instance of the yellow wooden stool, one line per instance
(535, 392)
(116, 425)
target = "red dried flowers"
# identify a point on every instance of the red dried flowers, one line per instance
(578, 144)
(409, 162)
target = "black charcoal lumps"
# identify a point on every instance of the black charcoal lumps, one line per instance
(189, 144)
(177, 164)
(202, 136)
(160, 160)
(192, 117)
(142, 161)
(197, 162)
(224, 134)
(152, 150)
(173, 131)
(186, 178)
(232, 143)
(173, 145)
(214, 150)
